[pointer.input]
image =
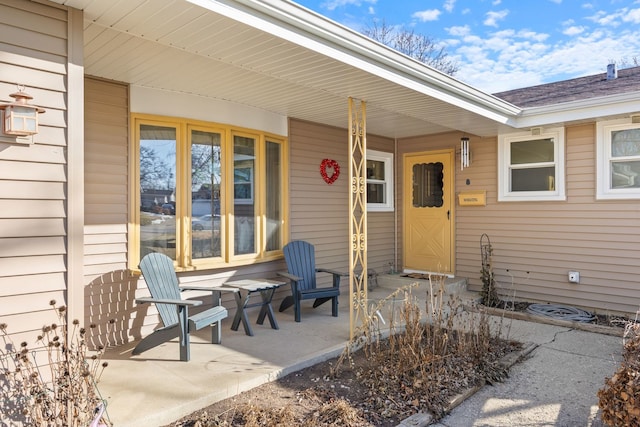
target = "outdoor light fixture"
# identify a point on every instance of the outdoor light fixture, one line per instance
(20, 118)
(465, 153)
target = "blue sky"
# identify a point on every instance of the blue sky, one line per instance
(508, 44)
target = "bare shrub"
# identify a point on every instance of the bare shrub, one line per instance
(53, 383)
(619, 400)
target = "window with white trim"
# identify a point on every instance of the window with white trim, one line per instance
(379, 181)
(531, 167)
(618, 164)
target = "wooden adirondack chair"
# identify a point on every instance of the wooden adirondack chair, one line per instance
(301, 265)
(162, 281)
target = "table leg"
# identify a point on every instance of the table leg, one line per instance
(267, 309)
(241, 314)
(216, 331)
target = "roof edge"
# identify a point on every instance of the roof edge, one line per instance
(302, 26)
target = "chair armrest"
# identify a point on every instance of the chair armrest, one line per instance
(334, 272)
(207, 288)
(168, 301)
(289, 276)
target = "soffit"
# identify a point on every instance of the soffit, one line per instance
(178, 46)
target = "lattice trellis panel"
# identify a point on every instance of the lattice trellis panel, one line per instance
(358, 213)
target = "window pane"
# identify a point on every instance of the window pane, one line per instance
(625, 143)
(538, 151)
(375, 170)
(157, 195)
(533, 179)
(273, 196)
(375, 193)
(243, 194)
(206, 179)
(625, 174)
(428, 185)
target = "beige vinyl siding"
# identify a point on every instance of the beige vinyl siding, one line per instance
(536, 243)
(33, 177)
(109, 286)
(319, 212)
(380, 225)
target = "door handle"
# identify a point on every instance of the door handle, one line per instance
(448, 214)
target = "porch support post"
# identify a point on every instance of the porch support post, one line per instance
(358, 215)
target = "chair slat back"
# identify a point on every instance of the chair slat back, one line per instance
(301, 261)
(160, 275)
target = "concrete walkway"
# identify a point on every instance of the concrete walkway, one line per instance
(557, 385)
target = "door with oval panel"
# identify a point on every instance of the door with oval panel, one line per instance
(428, 212)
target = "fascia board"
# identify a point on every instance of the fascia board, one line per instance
(301, 26)
(586, 109)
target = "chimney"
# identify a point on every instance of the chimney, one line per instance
(612, 72)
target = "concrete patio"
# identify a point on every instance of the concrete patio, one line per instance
(155, 388)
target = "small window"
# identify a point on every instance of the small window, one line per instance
(531, 167)
(379, 181)
(618, 160)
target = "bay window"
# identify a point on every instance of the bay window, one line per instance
(206, 195)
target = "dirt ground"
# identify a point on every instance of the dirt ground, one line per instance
(357, 396)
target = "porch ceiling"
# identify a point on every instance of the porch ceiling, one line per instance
(280, 57)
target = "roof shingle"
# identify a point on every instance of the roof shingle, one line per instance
(575, 89)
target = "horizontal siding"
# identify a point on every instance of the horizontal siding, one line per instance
(536, 243)
(319, 212)
(109, 286)
(33, 177)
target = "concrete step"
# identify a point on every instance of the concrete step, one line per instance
(453, 285)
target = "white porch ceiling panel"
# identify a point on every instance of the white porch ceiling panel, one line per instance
(184, 47)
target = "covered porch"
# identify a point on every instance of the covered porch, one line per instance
(156, 388)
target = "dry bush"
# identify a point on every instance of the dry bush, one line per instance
(428, 357)
(53, 383)
(619, 400)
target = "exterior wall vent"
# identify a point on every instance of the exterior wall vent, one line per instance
(612, 72)
(536, 131)
(635, 119)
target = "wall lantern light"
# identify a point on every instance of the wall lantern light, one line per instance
(465, 153)
(20, 118)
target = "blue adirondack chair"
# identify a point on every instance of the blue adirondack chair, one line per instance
(162, 281)
(301, 265)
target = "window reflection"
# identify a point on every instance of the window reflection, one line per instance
(206, 180)
(243, 188)
(158, 186)
(428, 185)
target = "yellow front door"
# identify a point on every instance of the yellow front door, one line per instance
(428, 211)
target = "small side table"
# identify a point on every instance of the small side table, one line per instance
(246, 287)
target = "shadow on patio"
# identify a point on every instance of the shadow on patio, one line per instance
(155, 388)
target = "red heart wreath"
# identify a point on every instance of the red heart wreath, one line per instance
(329, 164)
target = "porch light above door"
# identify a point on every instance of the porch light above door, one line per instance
(20, 118)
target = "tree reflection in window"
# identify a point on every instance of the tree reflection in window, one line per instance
(428, 185)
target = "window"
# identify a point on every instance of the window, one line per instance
(379, 181)
(207, 195)
(618, 171)
(531, 167)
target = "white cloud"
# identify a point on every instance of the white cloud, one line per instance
(573, 30)
(334, 4)
(588, 6)
(427, 15)
(494, 17)
(449, 5)
(458, 31)
(496, 2)
(605, 19)
(632, 16)
(557, 1)
(513, 59)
